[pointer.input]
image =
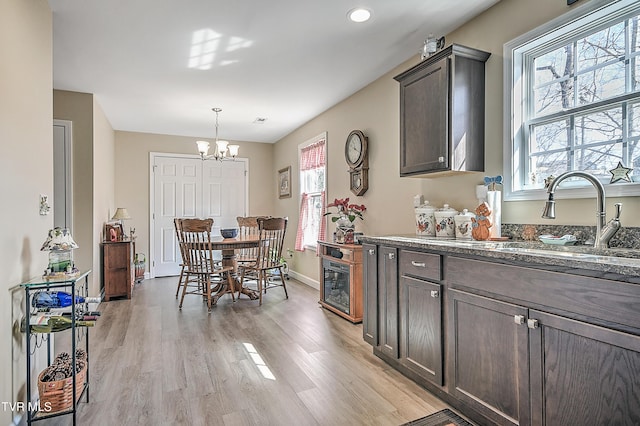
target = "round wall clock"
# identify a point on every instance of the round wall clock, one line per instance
(356, 149)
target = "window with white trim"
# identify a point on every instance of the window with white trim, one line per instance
(313, 170)
(574, 100)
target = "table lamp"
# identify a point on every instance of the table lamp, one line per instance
(59, 244)
(121, 214)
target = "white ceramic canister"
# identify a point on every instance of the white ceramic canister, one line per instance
(425, 220)
(445, 224)
(463, 224)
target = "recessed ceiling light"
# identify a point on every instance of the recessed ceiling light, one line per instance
(359, 15)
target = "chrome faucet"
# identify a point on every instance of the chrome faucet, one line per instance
(604, 231)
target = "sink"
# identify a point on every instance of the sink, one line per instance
(579, 251)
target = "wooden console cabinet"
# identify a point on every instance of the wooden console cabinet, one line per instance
(341, 279)
(117, 269)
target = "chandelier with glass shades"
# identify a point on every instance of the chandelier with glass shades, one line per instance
(223, 151)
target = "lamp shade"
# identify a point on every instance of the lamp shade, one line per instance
(203, 147)
(121, 213)
(233, 150)
(59, 239)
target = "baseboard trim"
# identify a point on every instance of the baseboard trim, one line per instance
(305, 280)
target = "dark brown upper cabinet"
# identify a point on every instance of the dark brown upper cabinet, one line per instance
(442, 113)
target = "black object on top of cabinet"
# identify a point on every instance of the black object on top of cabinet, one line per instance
(442, 113)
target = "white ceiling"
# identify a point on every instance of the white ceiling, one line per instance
(283, 60)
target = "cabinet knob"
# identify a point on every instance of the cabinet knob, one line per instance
(418, 264)
(372, 252)
(440, 159)
(532, 323)
(518, 319)
(435, 294)
(392, 256)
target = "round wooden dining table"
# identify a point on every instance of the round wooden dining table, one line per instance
(228, 246)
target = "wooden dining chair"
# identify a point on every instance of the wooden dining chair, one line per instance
(248, 227)
(200, 266)
(176, 224)
(271, 233)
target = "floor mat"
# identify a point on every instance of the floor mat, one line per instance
(444, 417)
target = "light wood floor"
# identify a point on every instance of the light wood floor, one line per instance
(288, 362)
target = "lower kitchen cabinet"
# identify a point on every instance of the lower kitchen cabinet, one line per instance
(582, 374)
(488, 357)
(380, 291)
(506, 344)
(522, 366)
(421, 328)
(370, 294)
(388, 301)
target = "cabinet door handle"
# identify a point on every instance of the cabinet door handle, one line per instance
(440, 159)
(392, 256)
(435, 294)
(418, 264)
(518, 319)
(372, 252)
(532, 323)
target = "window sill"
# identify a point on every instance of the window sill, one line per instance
(611, 190)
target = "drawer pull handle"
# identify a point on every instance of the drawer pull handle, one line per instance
(435, 294)
(419, 264)
(372, 252)
(518, 319)
(392, 256)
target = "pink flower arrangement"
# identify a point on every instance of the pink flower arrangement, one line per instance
(350, 211)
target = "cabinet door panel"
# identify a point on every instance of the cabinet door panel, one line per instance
(388, 300)
(421, 328)
(424, 113)
(370, 294)
(489, 365)
(583, 374)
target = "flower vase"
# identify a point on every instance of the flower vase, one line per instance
(344, 230)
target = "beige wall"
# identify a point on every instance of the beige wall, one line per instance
(26, 171)
(79, 109)
(132, 175)
(103, 193)
(375, 111)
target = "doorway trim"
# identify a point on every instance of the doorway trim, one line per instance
(152, 156)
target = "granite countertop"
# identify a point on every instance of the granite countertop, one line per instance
(615, 264)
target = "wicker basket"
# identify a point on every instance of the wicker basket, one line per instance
(58, 395)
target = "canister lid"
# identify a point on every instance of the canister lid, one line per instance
(447, 209)
(425, 208)
(466, 212)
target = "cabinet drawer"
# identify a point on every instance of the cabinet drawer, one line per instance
(422, 265)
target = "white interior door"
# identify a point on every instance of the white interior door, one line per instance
(188, 187)
(223, 193)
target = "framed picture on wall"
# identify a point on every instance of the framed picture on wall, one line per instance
(284, 182)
